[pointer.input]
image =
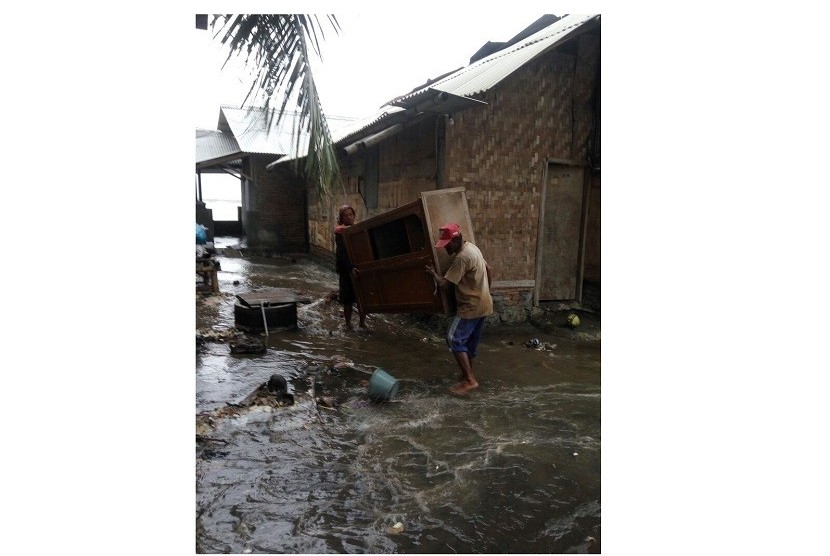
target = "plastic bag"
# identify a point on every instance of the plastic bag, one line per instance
(201, 234)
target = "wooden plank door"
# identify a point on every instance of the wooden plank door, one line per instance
(559, 252)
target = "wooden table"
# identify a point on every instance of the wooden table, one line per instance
(207, 270)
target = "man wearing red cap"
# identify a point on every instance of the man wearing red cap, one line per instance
(471, 276)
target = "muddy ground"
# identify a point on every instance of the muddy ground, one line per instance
(512, 467)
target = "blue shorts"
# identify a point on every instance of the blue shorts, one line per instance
(464, 335)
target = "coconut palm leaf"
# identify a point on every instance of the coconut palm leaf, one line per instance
(275, 48)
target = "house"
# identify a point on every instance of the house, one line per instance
(518, 130)
(273, 213)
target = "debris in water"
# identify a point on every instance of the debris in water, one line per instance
(575, 454)
(247, 346)
(327, 402)
(219, 335)
(432, 340)
(397, 528)
(537, 345)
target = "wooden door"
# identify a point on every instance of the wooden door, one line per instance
(559, 252)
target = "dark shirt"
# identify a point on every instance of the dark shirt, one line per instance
(342, 263)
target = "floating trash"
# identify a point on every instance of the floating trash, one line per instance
(397, 528)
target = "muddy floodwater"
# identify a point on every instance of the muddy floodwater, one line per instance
(512, 467)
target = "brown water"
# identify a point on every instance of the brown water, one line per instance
(514, 467)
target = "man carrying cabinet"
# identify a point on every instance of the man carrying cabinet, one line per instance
(471, 276)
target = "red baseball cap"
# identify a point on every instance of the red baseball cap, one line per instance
(447, 233)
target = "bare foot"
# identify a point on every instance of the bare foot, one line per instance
(463, 387)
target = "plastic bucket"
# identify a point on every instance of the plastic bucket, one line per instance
(382, 386)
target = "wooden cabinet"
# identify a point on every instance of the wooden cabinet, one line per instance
(391, 250)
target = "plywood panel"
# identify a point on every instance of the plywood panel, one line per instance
(441, 207)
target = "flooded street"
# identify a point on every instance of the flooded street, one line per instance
(513, 467)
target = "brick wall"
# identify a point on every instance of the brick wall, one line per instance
(276, 208)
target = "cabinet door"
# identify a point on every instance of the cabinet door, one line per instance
(390, 252)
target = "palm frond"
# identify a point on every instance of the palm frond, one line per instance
(275, 48)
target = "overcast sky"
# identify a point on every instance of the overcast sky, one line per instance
(377, 56)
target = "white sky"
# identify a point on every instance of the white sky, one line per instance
(377, 56)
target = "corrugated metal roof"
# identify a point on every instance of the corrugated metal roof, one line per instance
(475, 78)
(358, 125)
(213, 145)
(464, 82)
(487, 72)
(354, 128)
(246, 131)
(258, 132)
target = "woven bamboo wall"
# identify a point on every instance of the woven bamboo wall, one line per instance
(498, 152)
(406, 166)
